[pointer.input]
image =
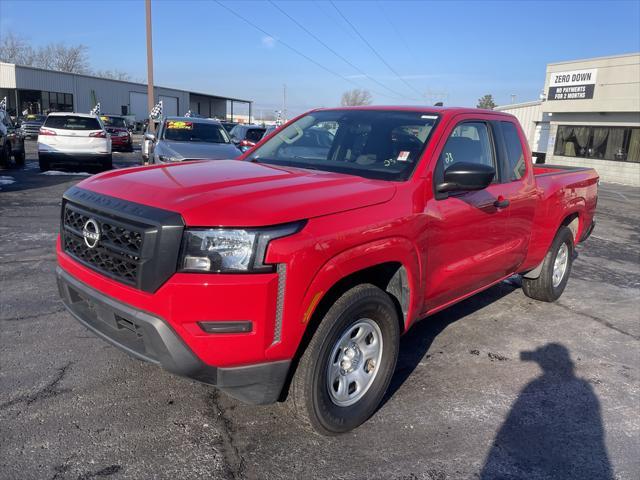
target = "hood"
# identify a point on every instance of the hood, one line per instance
(196, 150)
(240, 193)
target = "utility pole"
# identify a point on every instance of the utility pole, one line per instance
(150, 99)
(284, 103)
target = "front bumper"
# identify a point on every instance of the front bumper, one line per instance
(150, 338)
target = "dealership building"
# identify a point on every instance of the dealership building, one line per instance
(41, 91)
(589, 115)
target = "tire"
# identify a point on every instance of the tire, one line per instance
(5, 155)
(44, 163)
(107, 163)
(363, 315)
(19, 157)
(545, 287)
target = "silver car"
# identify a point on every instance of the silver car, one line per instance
(188, 138)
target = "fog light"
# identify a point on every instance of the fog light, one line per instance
(196, 263)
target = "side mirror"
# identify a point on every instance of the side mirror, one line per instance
(150, 136)
(464, 176)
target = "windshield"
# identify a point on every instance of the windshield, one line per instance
(369, 143)
(114, 122)
(185, 131)
(34, 118)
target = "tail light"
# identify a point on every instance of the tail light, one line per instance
(246, 143)
(46, 131)
(100, 134)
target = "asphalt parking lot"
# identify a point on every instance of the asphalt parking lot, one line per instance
(465, 402)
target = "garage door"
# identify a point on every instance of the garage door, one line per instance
(169, 105)
(138, 105)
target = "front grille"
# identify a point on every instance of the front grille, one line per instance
(118, 251)
(138, 244)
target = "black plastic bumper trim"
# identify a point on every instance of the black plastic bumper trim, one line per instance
(149, 338)
(589, 231)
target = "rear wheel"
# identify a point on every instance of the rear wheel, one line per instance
(556, 269)
(347, 367)
(5, 154)
(19, 157)
(107, 163)
(44, 163)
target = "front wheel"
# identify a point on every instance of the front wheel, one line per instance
(556, 269)
(347, 367)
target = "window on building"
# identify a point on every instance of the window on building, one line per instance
(515, 155)
(606, 143)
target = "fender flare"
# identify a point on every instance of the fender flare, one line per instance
(371, 254)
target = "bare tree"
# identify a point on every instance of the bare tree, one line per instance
(63, 58)
(14, 49)
(54, 56)
(487, 102)
(113, 74)
(355, 97)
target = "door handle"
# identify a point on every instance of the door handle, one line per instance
(501, 202)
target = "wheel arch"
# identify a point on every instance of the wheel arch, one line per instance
(397, 275)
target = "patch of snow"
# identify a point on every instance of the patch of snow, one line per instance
(6, 180)
(58, 172)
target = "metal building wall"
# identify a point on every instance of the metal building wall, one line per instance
(528, 114)
(7, 75)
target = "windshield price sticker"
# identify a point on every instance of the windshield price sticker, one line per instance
(403, 156)
(179, 125)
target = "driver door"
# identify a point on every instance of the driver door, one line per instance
(465, 231)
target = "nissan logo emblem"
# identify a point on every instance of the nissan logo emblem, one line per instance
(91, 233)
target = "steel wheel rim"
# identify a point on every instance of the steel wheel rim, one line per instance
(354, 362)
(560, 264)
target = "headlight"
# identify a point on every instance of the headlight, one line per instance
(230, 250)
(123, 134)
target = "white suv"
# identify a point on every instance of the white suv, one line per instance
(77, 138)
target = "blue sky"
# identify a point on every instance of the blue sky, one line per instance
(454, 51)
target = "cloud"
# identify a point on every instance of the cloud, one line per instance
(268, 42)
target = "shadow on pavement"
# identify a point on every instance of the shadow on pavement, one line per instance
(554, 429)
(415, 345)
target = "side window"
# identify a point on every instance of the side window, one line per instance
(515, 155)
(469, 142)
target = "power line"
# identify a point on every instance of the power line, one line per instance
(391, 69)
(293, 49)
(340, 56)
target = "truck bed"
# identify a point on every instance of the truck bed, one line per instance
(542, 170)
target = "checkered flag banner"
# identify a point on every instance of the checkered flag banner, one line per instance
(156, 111)
(3, 104)
(188, 114)
(95, 110)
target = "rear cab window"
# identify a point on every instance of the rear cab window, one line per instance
(72, 123)
(516, 166)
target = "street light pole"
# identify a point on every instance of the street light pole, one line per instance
(150, 99)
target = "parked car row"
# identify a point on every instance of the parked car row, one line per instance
(87, 139)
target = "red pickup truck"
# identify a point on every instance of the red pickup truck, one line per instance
(292, 272)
